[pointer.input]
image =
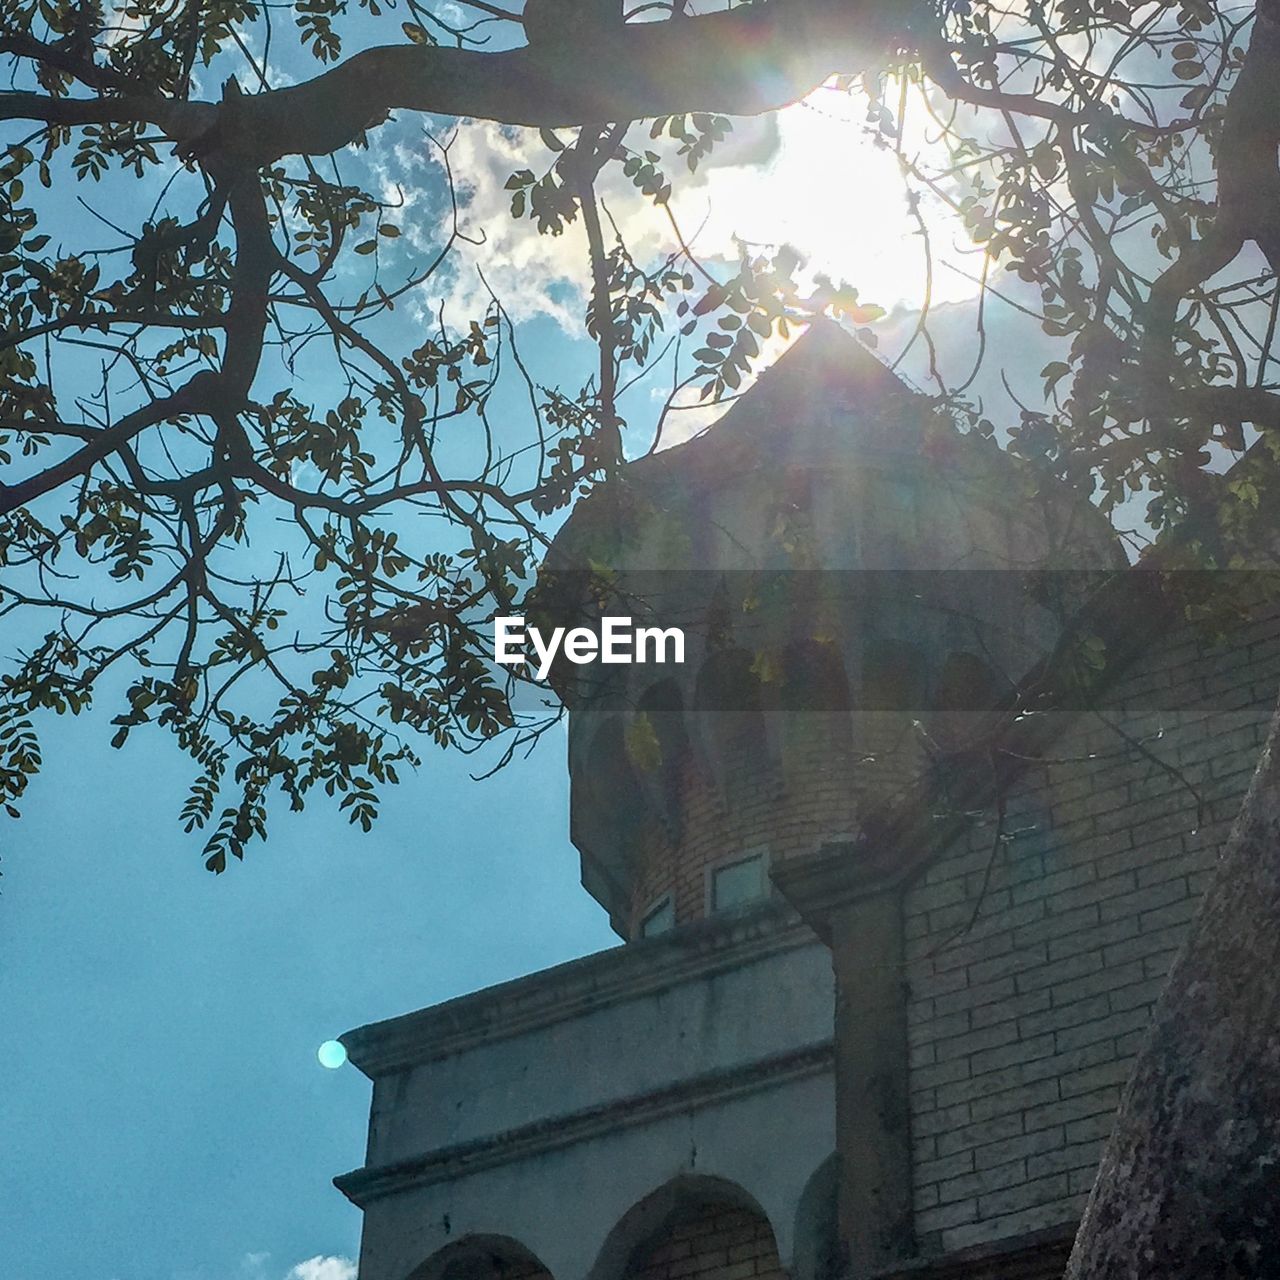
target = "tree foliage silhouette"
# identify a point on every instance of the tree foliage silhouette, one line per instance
(178, 504)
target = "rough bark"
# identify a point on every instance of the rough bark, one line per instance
(1189, 1186)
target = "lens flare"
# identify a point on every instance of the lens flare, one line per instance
(332, 1054)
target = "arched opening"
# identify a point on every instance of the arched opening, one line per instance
(967, 693)
(482, 1258)
(606, 813)
(606, 776)
(892, 676)
(727, 682)
(815, 733)
(889, 695)
(967, 683)
(692, 1226)
(660, 750)
(814, 677)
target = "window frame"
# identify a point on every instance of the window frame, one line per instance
(664, 903)
(758, 854)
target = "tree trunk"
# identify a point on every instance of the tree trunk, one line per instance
(1189, 1185)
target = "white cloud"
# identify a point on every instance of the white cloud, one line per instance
(323, 1267)
(809, 177)
(531, 274)
(257, 1265)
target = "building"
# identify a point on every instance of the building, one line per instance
(890, 950)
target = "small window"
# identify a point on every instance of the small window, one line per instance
(660, 918)
(738, 883)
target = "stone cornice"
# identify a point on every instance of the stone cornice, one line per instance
(578, 987)
(837, 875)
(362, 1186)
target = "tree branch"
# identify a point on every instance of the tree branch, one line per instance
(64, 58)
(738, 62)
(185, 400)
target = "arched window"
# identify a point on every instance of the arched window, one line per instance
(727, 683)
(730, 724)
(691, 1226)
(608, 802)
(814, 678)
(609, 774)
(966, 694)
(663, 745)
(892, 676)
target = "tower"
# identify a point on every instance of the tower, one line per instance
(853, 578)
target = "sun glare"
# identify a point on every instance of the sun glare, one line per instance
(839, 199)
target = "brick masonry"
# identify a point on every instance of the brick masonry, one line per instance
(785, 815)
(713, 1243)
(1033, 959)
(468, 1263)
(1035, 952)
(827, 769)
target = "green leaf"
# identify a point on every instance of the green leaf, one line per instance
(1054, 372)
(643, 746)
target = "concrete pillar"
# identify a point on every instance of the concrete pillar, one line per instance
(872, 1118)
(857, 911)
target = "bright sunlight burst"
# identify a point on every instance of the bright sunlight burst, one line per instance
(839, 199)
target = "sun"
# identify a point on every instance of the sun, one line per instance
(840, 200)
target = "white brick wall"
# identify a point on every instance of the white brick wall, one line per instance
(1022, 1029)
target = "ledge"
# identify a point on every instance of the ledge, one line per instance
(841, 873)
(362, 1186)
(1036, 1255)
(578, 987)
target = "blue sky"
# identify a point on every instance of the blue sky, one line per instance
(165, 1117)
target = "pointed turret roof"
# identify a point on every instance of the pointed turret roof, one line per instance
(825, 365)
(826, 397)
